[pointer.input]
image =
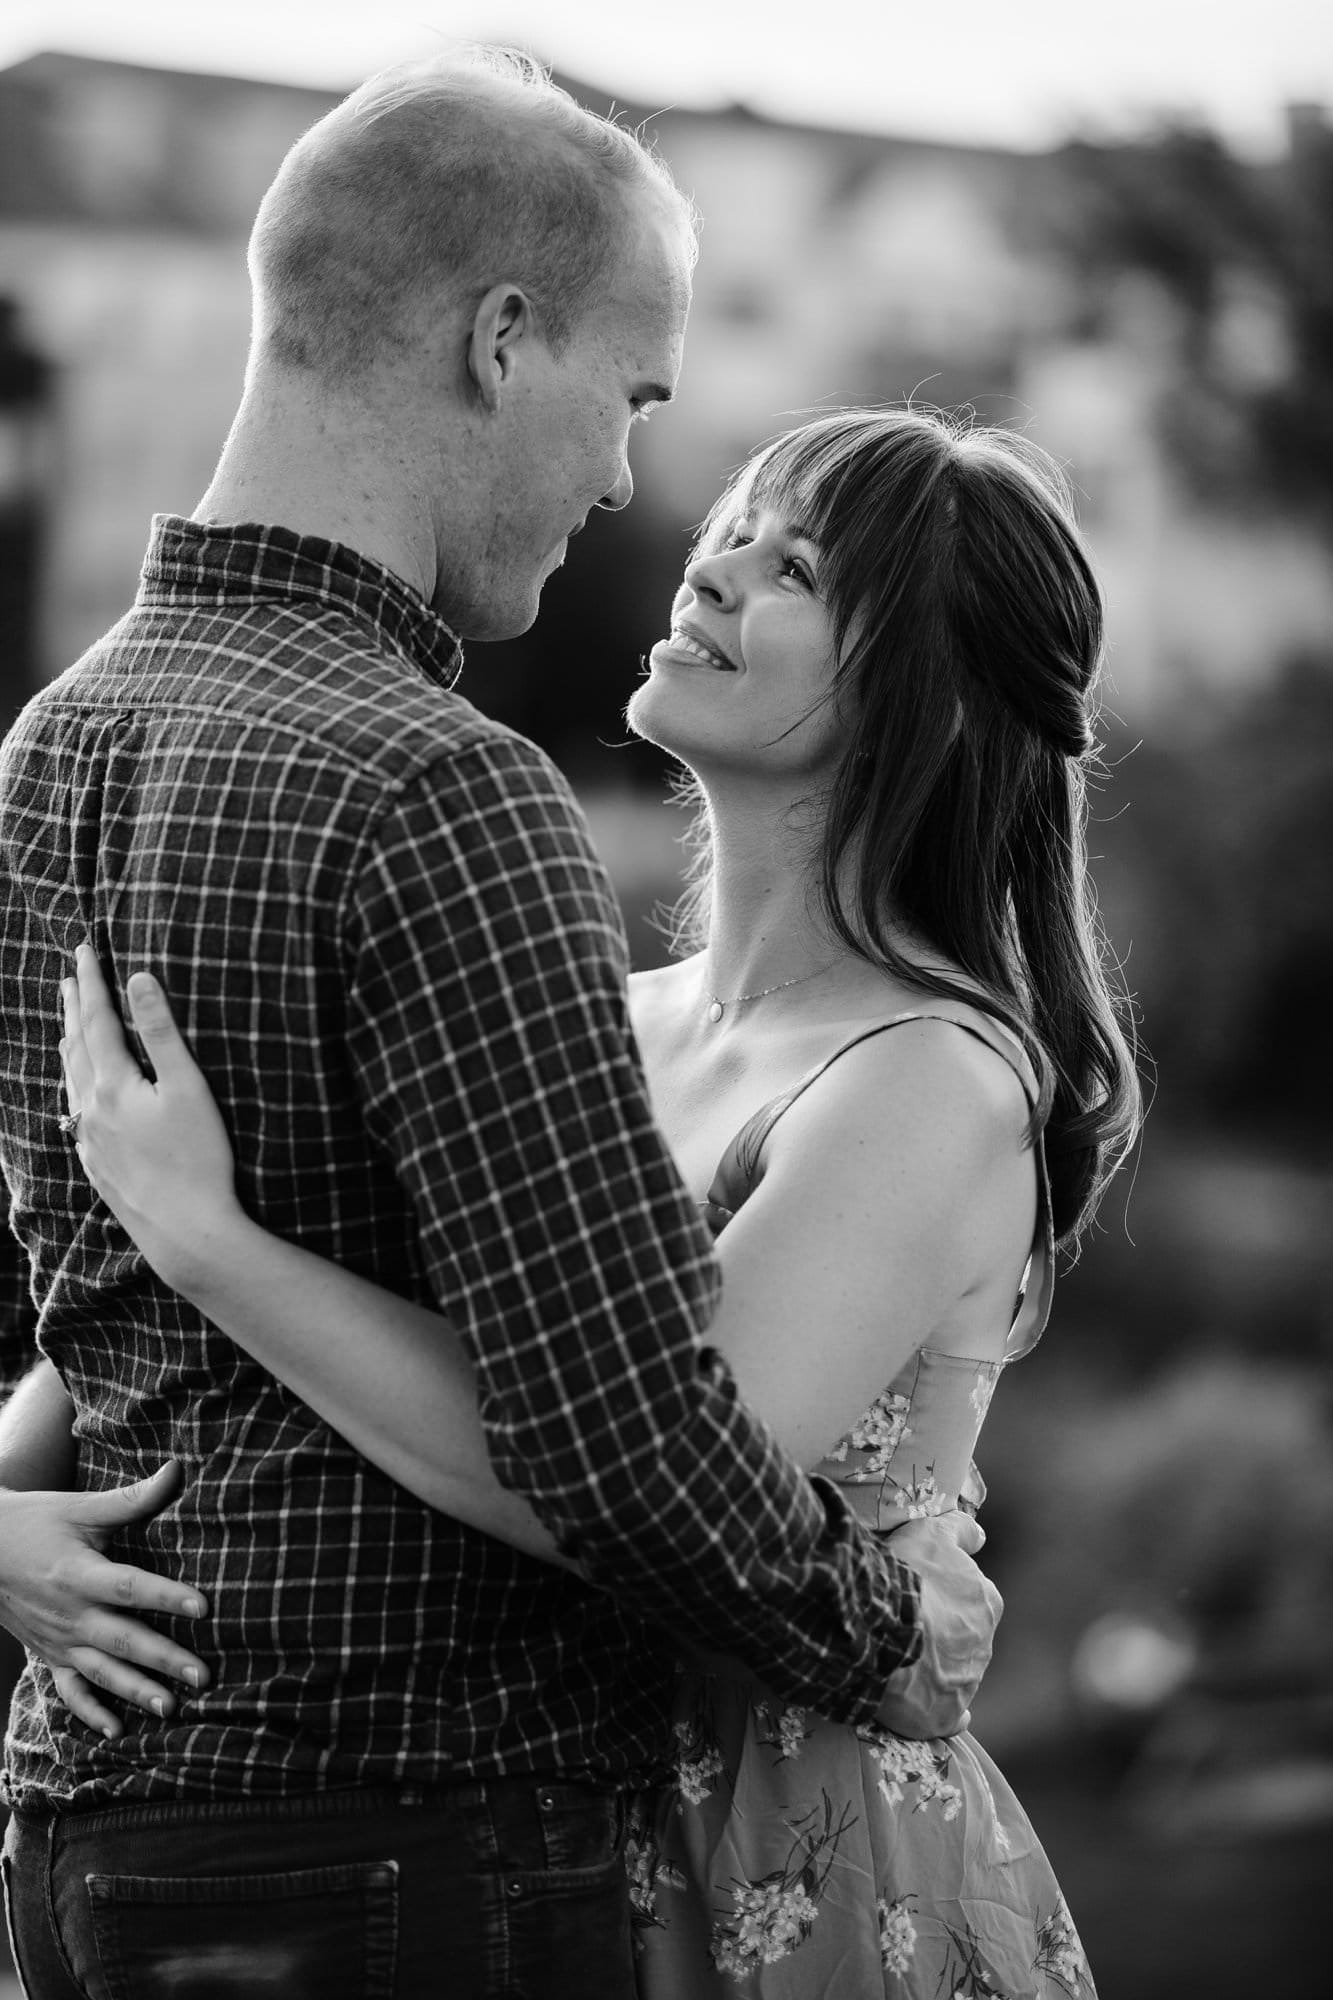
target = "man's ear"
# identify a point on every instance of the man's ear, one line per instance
(503, 320)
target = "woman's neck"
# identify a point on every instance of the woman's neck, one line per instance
(765, 925)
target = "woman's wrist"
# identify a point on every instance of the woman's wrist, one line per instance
(202, 1262)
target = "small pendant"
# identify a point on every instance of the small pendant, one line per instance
(715, 1011)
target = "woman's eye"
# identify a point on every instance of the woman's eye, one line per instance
(793, 566)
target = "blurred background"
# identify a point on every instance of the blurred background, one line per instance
(1116, 235)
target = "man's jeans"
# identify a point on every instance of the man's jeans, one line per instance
(497, 1890)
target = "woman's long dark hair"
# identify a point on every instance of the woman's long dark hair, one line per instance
(969, 634)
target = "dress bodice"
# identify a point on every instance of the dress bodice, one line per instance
(910, 1453)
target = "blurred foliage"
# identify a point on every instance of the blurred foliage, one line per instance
(1170, 1492)
(1214, 881)
(1226, 240)
(1211, 861)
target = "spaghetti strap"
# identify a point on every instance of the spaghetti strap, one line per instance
(738, 1168)
(749, 1141)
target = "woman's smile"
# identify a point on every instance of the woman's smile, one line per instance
(695, 648)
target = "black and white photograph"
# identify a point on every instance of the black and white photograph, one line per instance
(666, 778)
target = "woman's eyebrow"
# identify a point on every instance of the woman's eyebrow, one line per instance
(801, 531)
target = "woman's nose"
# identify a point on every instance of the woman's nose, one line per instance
(709, 575)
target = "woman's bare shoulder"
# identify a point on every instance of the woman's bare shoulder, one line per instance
(924, 1086)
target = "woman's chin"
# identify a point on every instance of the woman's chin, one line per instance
(659, 713)
(648, 714)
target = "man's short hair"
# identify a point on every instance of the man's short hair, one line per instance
(439, 179)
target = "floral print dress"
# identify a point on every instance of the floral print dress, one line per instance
(798, 1859)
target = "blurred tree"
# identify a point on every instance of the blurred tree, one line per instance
(1204, 1494)
(1217, 872)
(1294, 419)
(1245, 252)
(25, 405)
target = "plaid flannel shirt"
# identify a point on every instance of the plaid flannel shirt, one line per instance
(386, 935)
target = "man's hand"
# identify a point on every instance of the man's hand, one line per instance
(960, 1610)
(68, 1603)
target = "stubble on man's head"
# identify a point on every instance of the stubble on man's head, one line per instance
(427, 186)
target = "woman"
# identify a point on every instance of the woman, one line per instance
(890, 1070)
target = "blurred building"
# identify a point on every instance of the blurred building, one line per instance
(836, 267)
(125, 199)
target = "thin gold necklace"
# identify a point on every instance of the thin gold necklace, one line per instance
(717, 1008)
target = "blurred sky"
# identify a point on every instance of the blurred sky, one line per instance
(1019, 73)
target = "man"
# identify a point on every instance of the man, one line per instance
(402, 970)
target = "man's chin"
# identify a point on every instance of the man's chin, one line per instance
(487, 624)
(513, 622)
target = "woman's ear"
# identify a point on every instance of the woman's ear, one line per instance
(504, 318)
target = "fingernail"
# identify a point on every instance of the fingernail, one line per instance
(192, 1608)
(193, 1676)
(109, 1733)
(158, 1706)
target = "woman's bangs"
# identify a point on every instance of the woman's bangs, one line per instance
(836, 481)
(802, 478)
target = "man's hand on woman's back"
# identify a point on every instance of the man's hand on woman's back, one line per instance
(960, 1609)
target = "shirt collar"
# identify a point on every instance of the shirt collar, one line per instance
(187, 560)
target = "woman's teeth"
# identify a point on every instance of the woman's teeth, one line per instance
(684, 642)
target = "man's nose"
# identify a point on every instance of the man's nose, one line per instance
(622, 492)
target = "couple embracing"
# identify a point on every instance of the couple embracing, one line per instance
(530, 1427)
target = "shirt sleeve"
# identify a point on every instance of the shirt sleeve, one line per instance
(489, 1029)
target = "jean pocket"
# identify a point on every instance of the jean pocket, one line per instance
(563, 1929)
(582, 1830)
(307, 1934)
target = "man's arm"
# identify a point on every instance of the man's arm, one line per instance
(489, 1028)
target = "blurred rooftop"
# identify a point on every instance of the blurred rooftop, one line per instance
(1099, 296)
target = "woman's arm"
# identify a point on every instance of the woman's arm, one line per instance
(60, 1596)
(388, 1375)
(37, 1434)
